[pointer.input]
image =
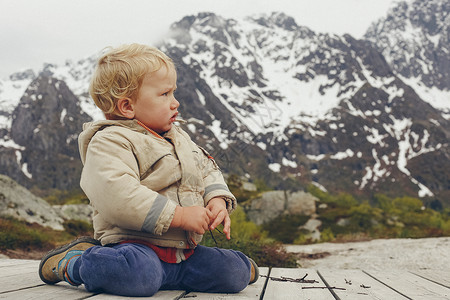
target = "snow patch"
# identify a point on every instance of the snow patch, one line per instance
(321, 187)
(315, 157)
(201, 98)
(275, 167)
(24, 167)
(343, 155)
(63, 115)
(288, 163)
(221, 137)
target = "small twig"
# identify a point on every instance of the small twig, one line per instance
(212, 236)
(365, 286)
(323, 287)
(289, 279)
(214, 239)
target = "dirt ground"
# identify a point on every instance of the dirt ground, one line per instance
(404, 254)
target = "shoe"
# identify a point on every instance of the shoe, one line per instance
(254, 271)
(53, 266)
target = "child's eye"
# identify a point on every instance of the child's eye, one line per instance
(165, 94)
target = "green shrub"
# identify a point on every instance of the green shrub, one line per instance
(235, 185)
(251, 240)
(407, 204)
(388, 218)
(301, 239)
(323, 196)
(327, 235)
(285, 228)
(264, 252)
(15, 234)
(61, 197)
(363, 217)
(78, 228)
(18, 235)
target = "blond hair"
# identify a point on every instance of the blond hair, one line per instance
(120, 71)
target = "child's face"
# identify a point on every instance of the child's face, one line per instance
(156, 105)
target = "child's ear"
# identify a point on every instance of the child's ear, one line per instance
(126, 108)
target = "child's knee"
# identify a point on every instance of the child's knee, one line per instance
(124, 271)
(235, 275)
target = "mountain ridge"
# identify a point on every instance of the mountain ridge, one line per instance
(275, 101)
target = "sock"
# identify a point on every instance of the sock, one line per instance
(73, 268)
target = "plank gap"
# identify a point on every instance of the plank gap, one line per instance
(21, 289)
(261, 297)
(387, 285)
(434, 281)
(328, 286)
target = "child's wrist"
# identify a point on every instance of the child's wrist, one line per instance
(177, 217)
(218, 201)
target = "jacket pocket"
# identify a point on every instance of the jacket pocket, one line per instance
(150, 162)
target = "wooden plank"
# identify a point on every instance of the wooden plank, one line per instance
(294, 290)
(252, 291)
(20, 281)
(161, 295)
(438, 276)
(21, 276)
(411, 285)
(358, 285)
(21, 268)
(48, 292)
(15, 262)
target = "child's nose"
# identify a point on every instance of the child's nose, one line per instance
(175, 104)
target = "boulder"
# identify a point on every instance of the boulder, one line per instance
(19, 203)
(272, 204)
(301, 203)
(267, 207)
(312, 226)
(81, 212)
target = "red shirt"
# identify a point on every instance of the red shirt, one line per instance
(166, 254)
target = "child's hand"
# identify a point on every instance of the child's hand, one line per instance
(218, 208)
(193, 218)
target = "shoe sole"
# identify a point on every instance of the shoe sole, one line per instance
(256, 270)
(62, 249)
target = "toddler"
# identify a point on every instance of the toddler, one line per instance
(153, 190)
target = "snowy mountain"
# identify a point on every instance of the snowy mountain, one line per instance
(415, 40)
(272, 101)
(321, 108)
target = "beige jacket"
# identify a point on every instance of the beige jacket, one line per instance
(134, 180)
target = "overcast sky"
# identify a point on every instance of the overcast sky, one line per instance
(33, 32)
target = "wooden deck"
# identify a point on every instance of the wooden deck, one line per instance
(19, 280)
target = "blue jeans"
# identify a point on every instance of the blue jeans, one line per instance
(135, 270)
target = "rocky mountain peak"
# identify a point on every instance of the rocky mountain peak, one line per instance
(24, 75)
(408, 25)
(207, 23)
(276, 19)
(432, 16)
(45, 126)
(48, 106)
